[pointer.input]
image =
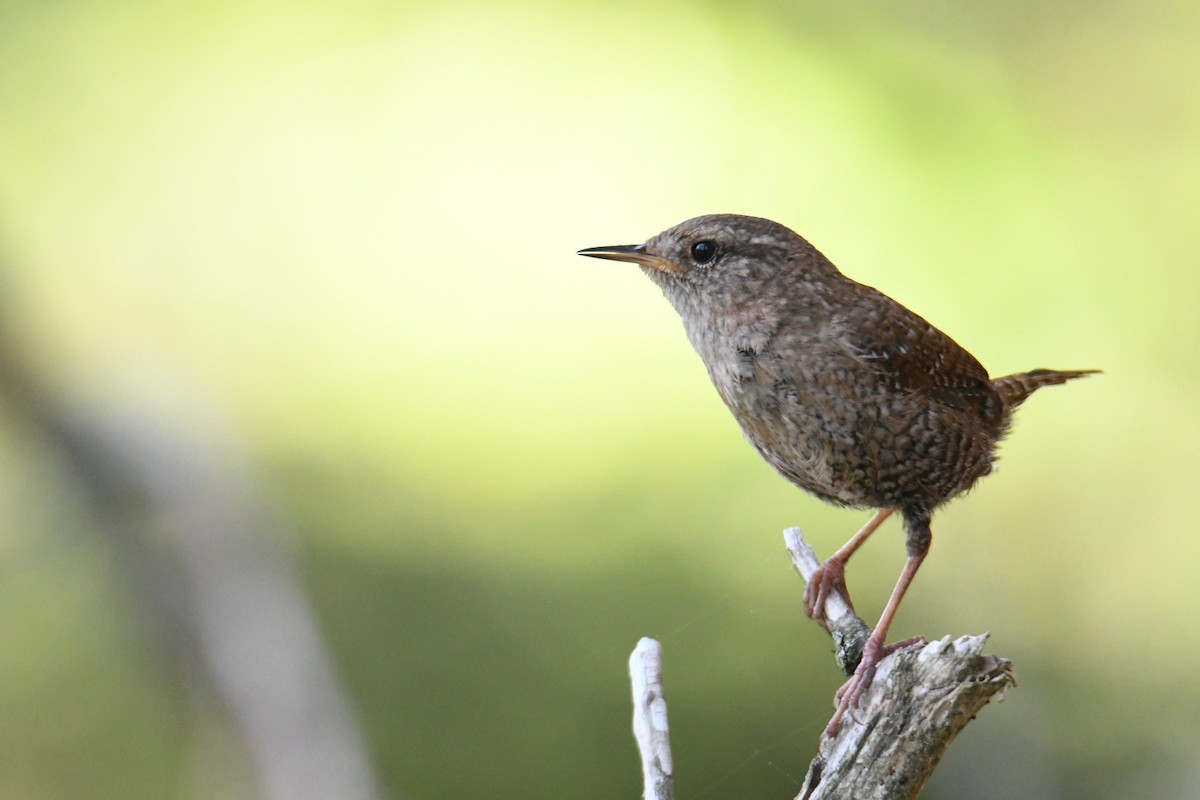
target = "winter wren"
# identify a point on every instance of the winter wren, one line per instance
(845, 392)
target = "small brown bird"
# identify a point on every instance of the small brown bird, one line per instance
(845, 392)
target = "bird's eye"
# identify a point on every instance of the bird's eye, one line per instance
(704, 251)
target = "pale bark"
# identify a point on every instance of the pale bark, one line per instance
(650, 721)
(887, 749)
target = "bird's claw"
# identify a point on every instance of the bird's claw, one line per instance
(828, 578)
(851, 693)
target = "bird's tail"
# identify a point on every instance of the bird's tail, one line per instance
(1015, 388)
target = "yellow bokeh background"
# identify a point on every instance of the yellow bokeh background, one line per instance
(349, 231)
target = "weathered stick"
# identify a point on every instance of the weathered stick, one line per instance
(847, 628)
(650, 720)
(922, 696)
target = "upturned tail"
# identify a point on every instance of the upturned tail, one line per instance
(1015, 388)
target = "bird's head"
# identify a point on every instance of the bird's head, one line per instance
(720, 256)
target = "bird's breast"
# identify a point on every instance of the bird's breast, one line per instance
(795, 416)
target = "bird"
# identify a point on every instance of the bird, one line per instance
(845, 392)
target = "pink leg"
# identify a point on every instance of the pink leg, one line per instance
(875, 651)
(831, 576)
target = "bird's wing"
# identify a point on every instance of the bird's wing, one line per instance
(913, 355)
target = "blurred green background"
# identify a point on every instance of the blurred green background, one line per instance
(349, 230)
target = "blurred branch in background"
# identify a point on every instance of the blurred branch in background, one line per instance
(208, 567)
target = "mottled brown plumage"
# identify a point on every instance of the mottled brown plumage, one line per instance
(845, 392)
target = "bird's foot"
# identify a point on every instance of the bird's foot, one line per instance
(847, 698)
(830, 577)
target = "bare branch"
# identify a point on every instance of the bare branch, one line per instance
(922, 696)
(848, 630)
(650, 720)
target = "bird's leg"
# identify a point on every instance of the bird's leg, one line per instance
(876, 650)
(831, 575)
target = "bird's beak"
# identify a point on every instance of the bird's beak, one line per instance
(635, 253)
